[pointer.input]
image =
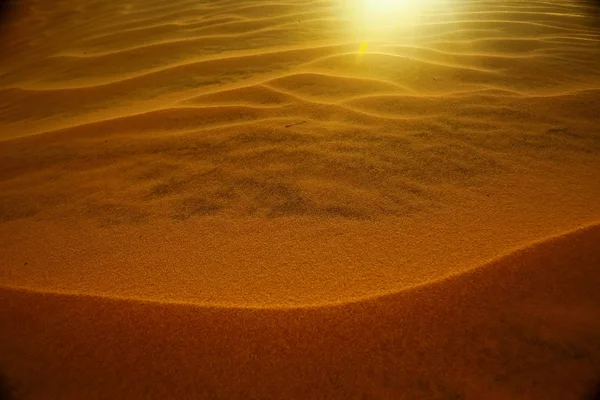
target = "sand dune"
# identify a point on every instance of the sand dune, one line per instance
(521, 327)
(300, 199)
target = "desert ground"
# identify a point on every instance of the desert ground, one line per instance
(300, 199)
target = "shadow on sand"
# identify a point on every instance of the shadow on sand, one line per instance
(7, 8)
(6, 390)
(594, 9)
(595, 393)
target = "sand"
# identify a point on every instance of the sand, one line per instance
(300, 200)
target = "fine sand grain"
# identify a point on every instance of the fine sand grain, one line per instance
(328, 199)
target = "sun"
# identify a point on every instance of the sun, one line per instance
(390, 12)
(384, 8)
(383, 18)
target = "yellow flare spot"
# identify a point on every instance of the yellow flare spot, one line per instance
(363, 48)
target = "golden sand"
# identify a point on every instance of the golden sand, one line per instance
(331, 199)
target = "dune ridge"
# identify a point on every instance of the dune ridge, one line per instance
(528, 317)
(505, 259)
(92, 81)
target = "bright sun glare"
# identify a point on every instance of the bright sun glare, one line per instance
(383, 18)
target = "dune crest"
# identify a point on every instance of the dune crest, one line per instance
(487, 333)
(507, 262)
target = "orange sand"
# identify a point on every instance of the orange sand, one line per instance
(244, 199)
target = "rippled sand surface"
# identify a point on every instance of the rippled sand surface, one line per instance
(300, 199)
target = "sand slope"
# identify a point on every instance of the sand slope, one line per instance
(288, 153)
(522, 327)
(300, 199)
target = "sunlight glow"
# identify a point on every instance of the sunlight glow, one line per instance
(386, 11)
(382, 19)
